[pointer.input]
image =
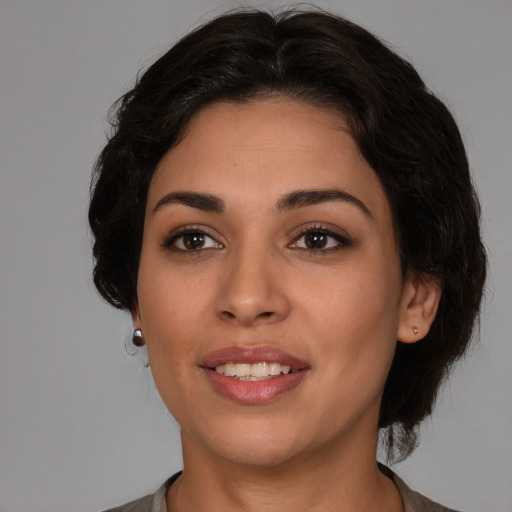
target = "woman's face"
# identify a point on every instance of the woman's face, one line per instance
(269, 239)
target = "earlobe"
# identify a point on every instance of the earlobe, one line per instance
(137, 338)
(136, 321)
(418, 306)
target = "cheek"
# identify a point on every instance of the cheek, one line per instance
(169, 298)
(358, 301)
(176, 317)
(355, 325)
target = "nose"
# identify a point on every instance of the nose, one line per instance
(252, 291)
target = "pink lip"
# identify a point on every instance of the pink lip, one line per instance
(253, 392)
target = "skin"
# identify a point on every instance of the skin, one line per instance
(340, 308)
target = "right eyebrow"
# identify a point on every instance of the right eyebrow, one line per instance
(204, 202)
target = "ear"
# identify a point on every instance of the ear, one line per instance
(418, 306)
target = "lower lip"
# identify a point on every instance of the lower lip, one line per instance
(253, 392)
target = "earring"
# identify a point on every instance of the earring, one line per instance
(137, 338)
(415, 330)
(132, 346)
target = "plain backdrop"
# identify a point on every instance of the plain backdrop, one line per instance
(82, 427)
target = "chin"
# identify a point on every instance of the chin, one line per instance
(260, 454)
(251, 443)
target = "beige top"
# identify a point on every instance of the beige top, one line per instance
(413, 502)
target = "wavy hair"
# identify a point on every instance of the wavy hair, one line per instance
(405, 133)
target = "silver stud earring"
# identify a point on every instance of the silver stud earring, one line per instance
(415, 330)
(137, 338)
(133, 345)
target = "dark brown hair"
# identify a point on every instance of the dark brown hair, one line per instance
(404, 132)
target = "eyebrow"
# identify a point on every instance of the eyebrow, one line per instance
(303, 198)
(204, 202)
(292, 201)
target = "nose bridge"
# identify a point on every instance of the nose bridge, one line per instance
(251, 291)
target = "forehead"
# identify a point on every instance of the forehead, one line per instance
(262, 149)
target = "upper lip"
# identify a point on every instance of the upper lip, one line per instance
(252, 355)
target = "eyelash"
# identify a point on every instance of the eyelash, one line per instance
(170, 241)
(343, 241)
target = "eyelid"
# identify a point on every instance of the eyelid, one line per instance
(170, 239)
(319, 227)
(339, 235)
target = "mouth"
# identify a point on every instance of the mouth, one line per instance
(253, 375)
(253, 372)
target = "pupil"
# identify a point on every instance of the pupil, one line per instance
(316, 240)
(193, 240)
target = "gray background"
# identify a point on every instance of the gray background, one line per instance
(82, 427)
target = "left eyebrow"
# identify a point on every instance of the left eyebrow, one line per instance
(303, 198)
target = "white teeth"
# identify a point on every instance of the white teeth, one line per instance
(256, 371)
(229, 369)
(242, 370)
(259, 370)
(274, 369)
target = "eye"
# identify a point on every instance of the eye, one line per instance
(191, 240)
(320, 240)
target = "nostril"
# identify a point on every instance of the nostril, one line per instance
(266, 314)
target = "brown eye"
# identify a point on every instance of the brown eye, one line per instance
(321, 241)
(315, 240)
(193, 241)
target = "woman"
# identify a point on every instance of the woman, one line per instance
(287, 212)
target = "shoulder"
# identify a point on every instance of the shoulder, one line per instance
(151, 503)
(144, 504)
(414, 501)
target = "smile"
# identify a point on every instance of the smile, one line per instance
(253, 375)
(253, 372)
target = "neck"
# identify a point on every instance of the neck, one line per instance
(334, 479)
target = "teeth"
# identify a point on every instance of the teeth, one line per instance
(229, 369)
(259, 370)
(274, 369)
(256, 371)
(242, 370)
